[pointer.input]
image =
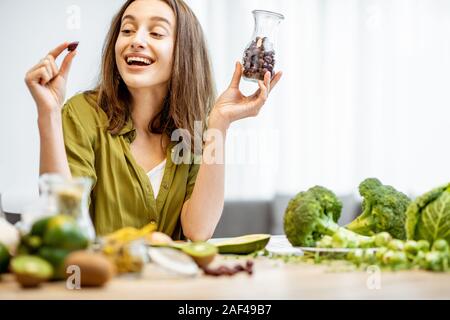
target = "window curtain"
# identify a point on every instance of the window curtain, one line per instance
(364, 94)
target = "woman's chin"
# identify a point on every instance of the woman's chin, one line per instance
(139, 82)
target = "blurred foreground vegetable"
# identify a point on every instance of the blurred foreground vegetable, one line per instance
(126, 247)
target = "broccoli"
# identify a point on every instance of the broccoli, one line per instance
(384, 210)
(312, 214)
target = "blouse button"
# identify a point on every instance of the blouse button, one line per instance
(152, 222)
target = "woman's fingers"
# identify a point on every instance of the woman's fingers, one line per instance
(49, 62)
(37, 75)
(260, 96)
(40, 75)
(49, 68)
(44, 76)
(52, 64)
(51, 56)
(270, 84)
(49, 65)
(267, 77)
(235, 81)
(275, 80)
(251, 105)
(67, 62)
(38, 65)
(58, 50)
(264, 88)
(65, 65)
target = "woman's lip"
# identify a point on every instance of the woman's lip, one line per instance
(138, 68)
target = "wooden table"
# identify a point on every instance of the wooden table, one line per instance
(271, 280)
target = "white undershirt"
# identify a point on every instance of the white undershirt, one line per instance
(156, 175)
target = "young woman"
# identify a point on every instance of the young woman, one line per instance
(155, 79)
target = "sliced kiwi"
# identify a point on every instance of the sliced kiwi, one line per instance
(31, 271)
(203, 253)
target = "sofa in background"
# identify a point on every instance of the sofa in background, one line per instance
(246, 217)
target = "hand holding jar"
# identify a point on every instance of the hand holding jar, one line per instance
(258, 66)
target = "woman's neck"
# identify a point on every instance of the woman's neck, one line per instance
(146, 104)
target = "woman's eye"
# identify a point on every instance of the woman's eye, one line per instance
(156, 34)
(126, 31)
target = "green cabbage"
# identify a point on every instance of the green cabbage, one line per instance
(428, 217)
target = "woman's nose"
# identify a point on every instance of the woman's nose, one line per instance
(138, 40)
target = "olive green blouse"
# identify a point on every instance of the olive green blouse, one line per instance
(122, 195)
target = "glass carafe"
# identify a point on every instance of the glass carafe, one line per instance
(259, 55)
(68, 197)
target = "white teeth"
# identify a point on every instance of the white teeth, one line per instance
(140, 59)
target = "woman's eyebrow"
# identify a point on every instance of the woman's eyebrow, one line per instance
(160, 19)
(128, 16)
(154, 18)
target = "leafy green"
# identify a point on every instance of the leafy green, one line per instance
(428, 217)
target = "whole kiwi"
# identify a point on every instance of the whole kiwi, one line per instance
(95, 269)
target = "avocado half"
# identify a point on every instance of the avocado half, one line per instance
(244, 244)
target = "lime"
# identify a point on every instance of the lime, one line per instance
(63, 232)
(38, 228)
(56, 257)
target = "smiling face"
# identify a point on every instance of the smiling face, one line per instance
(145, 45)
(155, 49)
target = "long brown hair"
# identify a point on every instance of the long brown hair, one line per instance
(191, 93)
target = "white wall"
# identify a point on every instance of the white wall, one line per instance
(28, 31)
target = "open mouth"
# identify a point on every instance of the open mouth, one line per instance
(138, 61)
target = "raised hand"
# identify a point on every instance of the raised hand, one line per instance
(47, 82)
(232, 105)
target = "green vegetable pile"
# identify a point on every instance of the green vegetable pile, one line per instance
(392, 231)
(403, 255)
(53, 239)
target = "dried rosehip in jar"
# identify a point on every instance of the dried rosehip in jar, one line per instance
(259, 56)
